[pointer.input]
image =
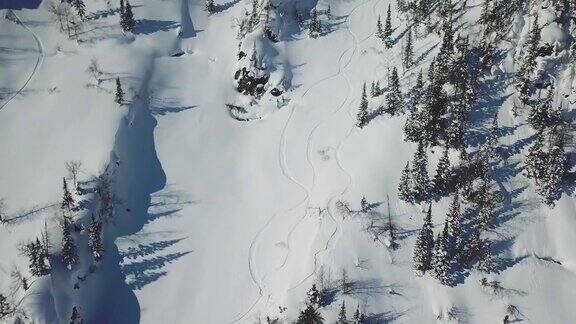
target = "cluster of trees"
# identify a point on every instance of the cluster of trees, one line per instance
(252, 76)
(39, 250)
(69, 15)
(547, 160)
(311, 312)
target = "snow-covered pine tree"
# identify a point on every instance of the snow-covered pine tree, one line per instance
(122, 8)
(539, 115)
(315, 27)
(127, 21)
(380, 29)
(443, 173)
(405, 187)
(342, 319)
(485, 263)
(421, 180)
(435, 106)
(528, 63)
(67, 199)
(422, 256)
(551, 188)
(209, 6)
(388, 42)
(80, 8)
(455, 233)
(119, 96)
(95, 239)
(441, 263)
(254, 18)
(359, 317)
(457, 126)
(314, 297)
(414, 122)
(408, 53)
(362, 117)
(5, 308)
(69, 254)
(38, 258)
(536, 160)
(310, 315)
(394, 101)
(445, 57)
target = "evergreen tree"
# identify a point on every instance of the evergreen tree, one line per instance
(394, 94)
(314, 297)
(435, 107)
(80, 8)
(408, 55)
(454, 221)
(69, 254)
(95, 239)
(526, 69)
(342, 315)
(315, 24)
(444, 58)
(420, 174)
(441, 264)
(443, 172)
(485, 264)
(536, 160)
(551, 188)
(310, 315)
(209, 6)
(254, 19)
(127, 21)
(457, 127)
(362, 117)
(119, 92)
(414, 122)
(405, 187)
(5, 308)
(422, 257)
(38, 257)
(539, 115)
(388, 30)
(380, 30)
(67, 200)
(358, 316)
(122, 8)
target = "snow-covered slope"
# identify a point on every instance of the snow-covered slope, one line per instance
(228, 219)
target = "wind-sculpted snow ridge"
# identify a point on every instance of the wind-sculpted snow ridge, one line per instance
(275, 161)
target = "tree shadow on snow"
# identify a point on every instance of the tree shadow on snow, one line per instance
(150, 26)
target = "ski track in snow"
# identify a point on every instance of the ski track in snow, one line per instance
(342, 73)
(282, 157)
(39, 62)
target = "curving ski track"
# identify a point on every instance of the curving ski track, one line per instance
(288, 174)
(39, 62)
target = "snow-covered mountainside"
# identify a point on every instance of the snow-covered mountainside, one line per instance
(287, 161)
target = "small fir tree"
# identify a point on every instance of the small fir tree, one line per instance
(441, 264)
(422, 257)
(394, 94)
(420, 174)
(69, 254)
(119, 92)
(95, 239)
(388, 29)
(362, 117)
(443, 173)
(405, 187)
